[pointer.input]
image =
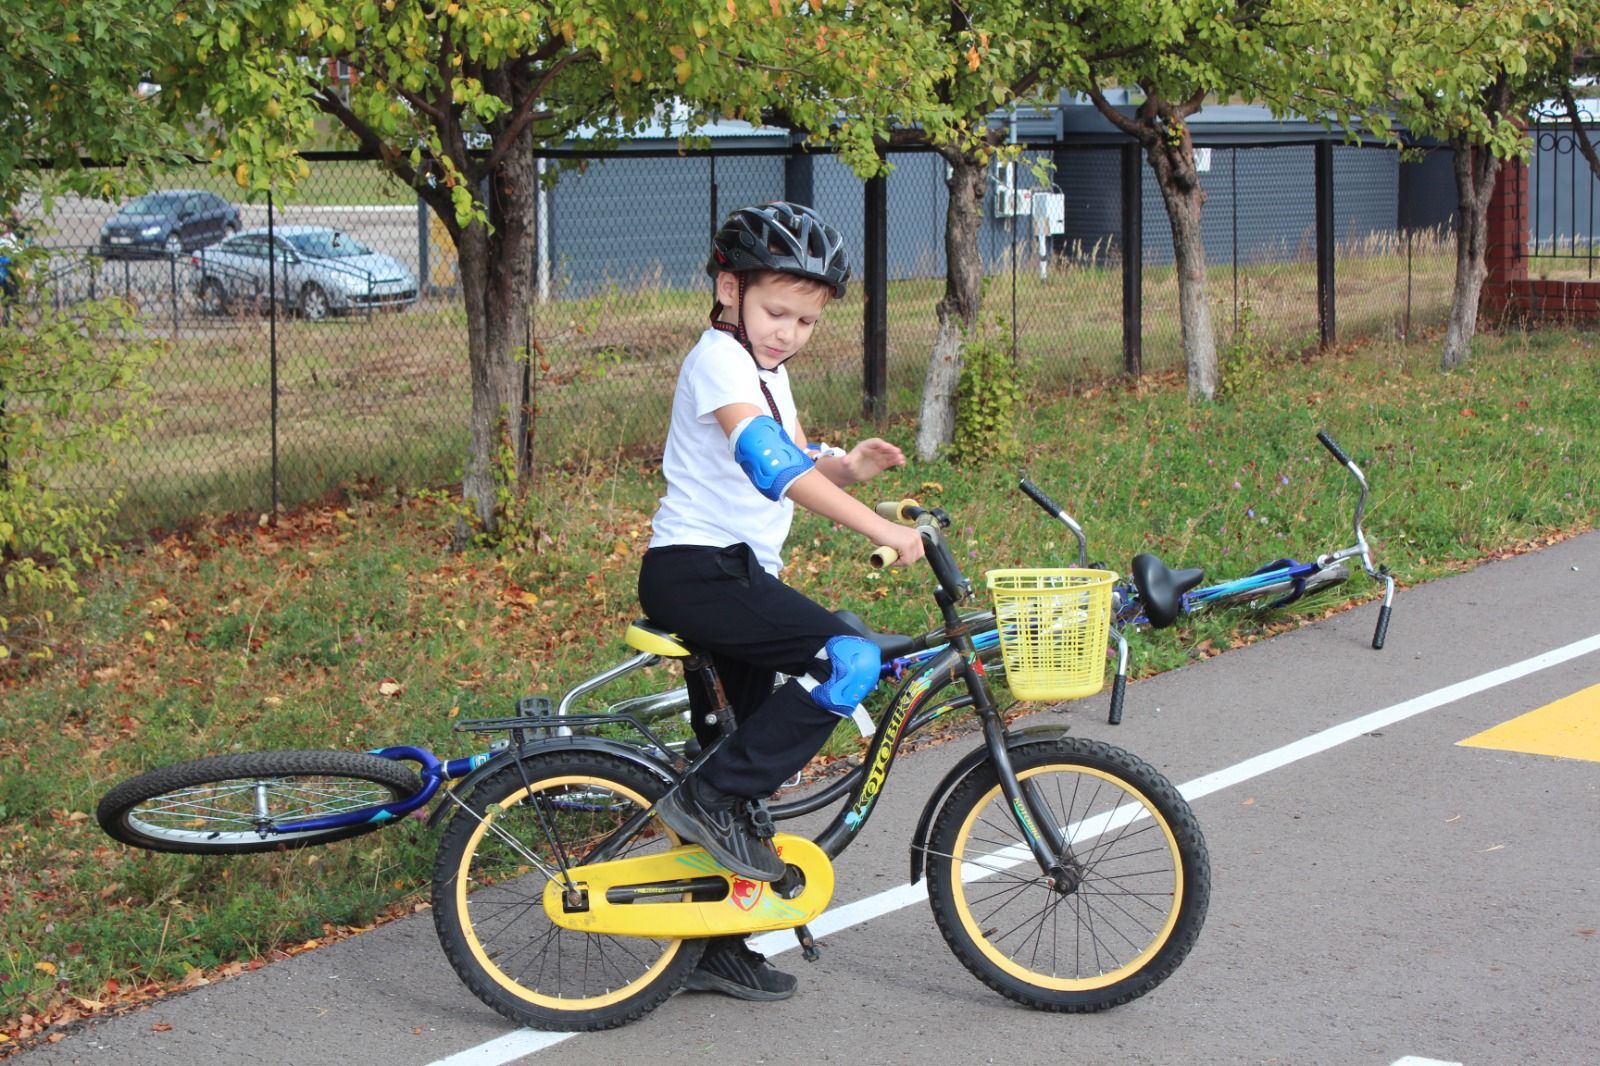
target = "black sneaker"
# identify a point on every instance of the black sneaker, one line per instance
(703, 814)
(730, 966)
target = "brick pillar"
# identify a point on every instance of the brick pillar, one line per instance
(1507, 252)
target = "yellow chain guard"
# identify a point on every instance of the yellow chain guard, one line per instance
(748, 907)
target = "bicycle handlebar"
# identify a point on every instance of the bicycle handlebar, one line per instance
(1055, 510)
(928, 522)
(1040, 497)
(1333, 447)
(901, 511)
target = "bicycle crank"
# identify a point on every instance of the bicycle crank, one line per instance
(685, 893)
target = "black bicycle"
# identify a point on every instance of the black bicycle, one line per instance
(1065, 873)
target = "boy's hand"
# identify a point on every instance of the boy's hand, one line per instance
(872, 457)
(905, 540)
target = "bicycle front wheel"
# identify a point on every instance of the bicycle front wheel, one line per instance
(239, 804)
(1137, 884)
(540, 815)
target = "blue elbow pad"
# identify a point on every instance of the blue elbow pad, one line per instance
(767, 456)
(853, 665)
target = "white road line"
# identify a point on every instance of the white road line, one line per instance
(523, 1042)
(1412, 1060)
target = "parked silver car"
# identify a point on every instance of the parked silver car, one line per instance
(320, 271)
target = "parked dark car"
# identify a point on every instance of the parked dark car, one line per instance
(167, 223)
(319, 272)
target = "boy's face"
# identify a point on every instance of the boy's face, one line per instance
(779, 313)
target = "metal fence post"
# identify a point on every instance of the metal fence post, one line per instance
(716, 218)
(874, 296)
(272, 342)
(1132, 261)
(423, 288)
(1325, 236)
(799, 186)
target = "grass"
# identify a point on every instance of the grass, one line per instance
(386, 397)
(350, 625)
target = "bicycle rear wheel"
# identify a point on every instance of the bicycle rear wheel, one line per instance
(1268, 594)
(549, 812)
(1123, 919)
(235, 804)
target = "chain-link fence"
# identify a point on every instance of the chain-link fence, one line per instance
(358, 370)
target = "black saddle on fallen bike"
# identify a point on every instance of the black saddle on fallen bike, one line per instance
(1161, 589)
(890, 645)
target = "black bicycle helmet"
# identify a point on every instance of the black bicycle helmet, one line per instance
(785, 237)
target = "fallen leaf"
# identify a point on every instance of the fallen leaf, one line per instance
(161, 1027)
(389, 687)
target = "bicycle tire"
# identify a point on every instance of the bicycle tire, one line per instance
(1327, 577)
(1122, 930)
(213, 806)
(488, 900)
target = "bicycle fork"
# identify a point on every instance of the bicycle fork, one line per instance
(1048, 842)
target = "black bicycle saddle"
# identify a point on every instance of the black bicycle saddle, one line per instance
(1161, 589)
(890, 645)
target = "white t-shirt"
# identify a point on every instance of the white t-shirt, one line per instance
(710, 501)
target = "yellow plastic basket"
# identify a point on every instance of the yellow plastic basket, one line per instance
(1053, 625)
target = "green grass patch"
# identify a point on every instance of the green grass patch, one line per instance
(350, 624)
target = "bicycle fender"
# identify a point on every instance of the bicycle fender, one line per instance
(1016, 738)
(627, 752)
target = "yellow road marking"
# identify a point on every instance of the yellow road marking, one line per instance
(1569, 728)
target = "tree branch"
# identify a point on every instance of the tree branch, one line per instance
(524, 113)
(1585, 145)
(1116, 118)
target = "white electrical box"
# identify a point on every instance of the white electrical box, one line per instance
(1050, 213)
(1011, 203)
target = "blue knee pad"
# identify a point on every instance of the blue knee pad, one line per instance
(854, 664)
(767, 456)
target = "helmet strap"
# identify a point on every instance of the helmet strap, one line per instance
(738, 333)
(735, 330)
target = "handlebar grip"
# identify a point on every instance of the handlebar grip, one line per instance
(1381, 634)
(883, 556)
(898, 510)
(1118, 688)
(1038, 496)
(1333, 447)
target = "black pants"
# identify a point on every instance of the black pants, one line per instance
(754, 626)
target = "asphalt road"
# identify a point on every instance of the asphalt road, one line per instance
(1381, 894)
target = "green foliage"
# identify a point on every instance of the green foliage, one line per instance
(988, 403)
(1243, 364)
(68, 91)
(71, 392)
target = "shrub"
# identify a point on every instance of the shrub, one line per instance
(71, 391)
(988, 399)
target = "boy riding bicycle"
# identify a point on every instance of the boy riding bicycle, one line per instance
(736, 462)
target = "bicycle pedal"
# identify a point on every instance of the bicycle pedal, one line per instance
(761, 822)
(533, 706)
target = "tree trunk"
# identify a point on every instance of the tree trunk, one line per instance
(958, 308)
(1477, 169)
(1161, 129)
(496, 284)
(1173, 163)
